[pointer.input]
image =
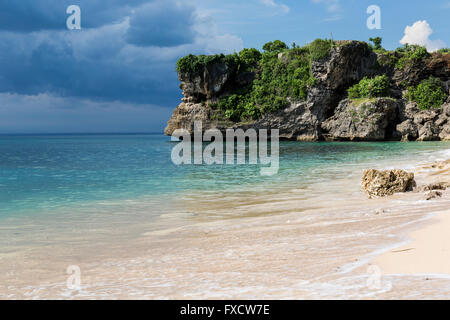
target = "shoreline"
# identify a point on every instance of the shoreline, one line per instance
(425, 248)
(426, 252)
(275, 246)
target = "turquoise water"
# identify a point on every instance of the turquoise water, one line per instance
(42, 173)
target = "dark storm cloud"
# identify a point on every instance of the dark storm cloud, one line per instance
(37, 15)
(102, 69)
(127, 53)
(148, 25)
(100, 63)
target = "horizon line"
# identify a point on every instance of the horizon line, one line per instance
(78, 133)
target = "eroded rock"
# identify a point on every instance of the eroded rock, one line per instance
(187, 113)
(407, 130)
(367, 121)
(377, 183)
(444, 135)
(429, 132)
(433, 195)
(207, 84)
(435, 186)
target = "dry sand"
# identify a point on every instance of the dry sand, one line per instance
(428, 249)
(427, 253)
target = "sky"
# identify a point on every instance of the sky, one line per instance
(117, 74)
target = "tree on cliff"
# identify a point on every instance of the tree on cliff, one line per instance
(275, 46)
(376, 43)
(249, 57)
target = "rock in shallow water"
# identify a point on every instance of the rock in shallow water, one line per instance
(385, 183)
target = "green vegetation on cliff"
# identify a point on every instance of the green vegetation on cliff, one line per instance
(377, 47)
(193, 65)
(320, 49)
(402, 57)
(249, 59)
(370, 88)
(275, 46)
(410, 54)
(428, 94)
(282, 75)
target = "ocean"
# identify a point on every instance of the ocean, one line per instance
(47, 173)
(139, 226)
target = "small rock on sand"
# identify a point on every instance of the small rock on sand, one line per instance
(377, 183)
(433, 195)
(435, 186)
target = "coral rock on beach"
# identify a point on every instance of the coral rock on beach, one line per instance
(385, 183)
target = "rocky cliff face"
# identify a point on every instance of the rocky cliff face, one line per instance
(326, 113)
(367, 121)
(423, 125)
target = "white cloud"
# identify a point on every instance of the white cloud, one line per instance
(210, 40)
(419, 33)
(332, 5)
(279, 6)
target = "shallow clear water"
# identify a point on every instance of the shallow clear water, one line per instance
(44, 173)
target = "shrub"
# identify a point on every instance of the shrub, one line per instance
(188, 64)
(251, 111)
(353, 92)
(195, 64)
(444, 50)
(370, 88)
(233, 105)
(411, 54)
(428, 94)
(320, 48)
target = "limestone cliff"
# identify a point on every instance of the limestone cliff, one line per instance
(325, 113)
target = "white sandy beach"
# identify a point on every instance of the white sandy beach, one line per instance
(428, 247)
(428, 252)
